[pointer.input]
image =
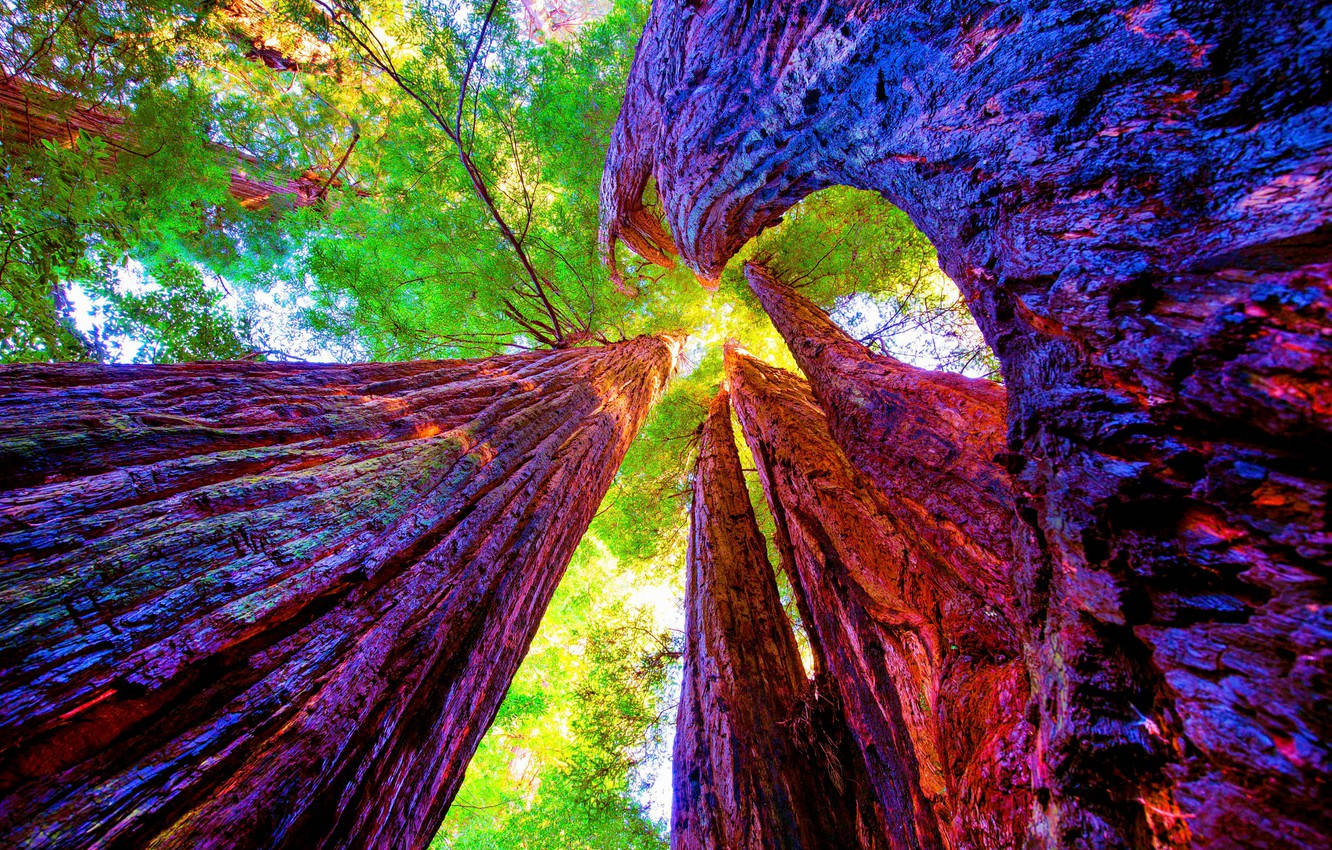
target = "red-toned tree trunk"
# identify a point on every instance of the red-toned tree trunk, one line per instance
(280, 46)
(930, 672)
(929, 440)
(760, 763)
(31, 112)
(272, 605)
(1136, 200)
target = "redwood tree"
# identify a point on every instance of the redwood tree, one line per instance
(275, 605)
(930, 673)
(1135, 201)
(930, 441)
(761, 763)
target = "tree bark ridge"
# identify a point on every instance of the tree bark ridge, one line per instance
(929, 672)
(278, 605)
(1136, 201)
(930, 441)
(763, 759)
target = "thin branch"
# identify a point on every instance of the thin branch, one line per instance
(381, 59)
(471, 63)
(356, 137)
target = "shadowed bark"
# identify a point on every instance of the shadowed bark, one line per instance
(1136, 201)
(274, 605)
(763, 761)
(928, 670)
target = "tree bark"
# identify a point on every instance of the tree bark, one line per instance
(928, 440)
(31, 112)
(274, 605)
(930, 673)
(1136, 200)
(760, 761)
(280, 45)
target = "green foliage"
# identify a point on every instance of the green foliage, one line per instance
(553, 771)
(878, 276)
(151, 186)
(41, 220)
(103, 51)
(428, 273)
(178, 317)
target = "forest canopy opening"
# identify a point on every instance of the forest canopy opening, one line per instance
(540, 777)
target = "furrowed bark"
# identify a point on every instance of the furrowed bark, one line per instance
(276, 605)
(929, 672)
(1136, 200)
(763, 761)
(928, 440)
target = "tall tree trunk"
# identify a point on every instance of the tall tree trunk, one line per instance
(760, 764)
(272, 605)
(1135, 199)
(930, 674)
(929, 440)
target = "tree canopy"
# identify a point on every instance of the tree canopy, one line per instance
(324, 179)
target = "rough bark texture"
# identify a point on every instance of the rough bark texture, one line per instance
(30, 112)
(272, 605)
(930, 441)
(929, 672)
(760, 761)
(1135, 199)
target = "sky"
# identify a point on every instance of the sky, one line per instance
(273, 311)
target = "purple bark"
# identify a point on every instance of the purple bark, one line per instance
(270, 605)
(763, 760)
(1135, 200)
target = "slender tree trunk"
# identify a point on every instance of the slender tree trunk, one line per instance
(760, 763)
(929, 441)
(930, 673)
(272, 605)
(1136, 201)
(30, 112)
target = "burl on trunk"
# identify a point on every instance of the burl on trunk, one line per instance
(930, 672)
(1135, 199)
(273, 605)
(763, 760)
